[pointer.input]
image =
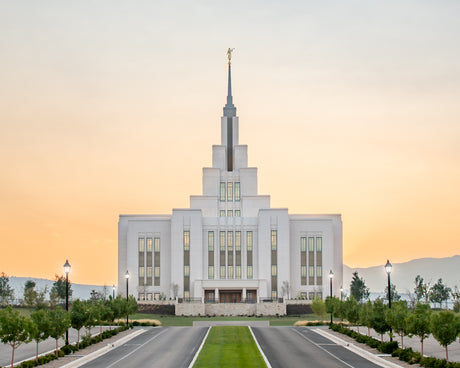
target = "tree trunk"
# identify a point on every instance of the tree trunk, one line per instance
(36, 356)
(368, 331)
(78, 339)
(12, 358)
(57, 356)
(381, 337)
(447, 355)
(402, 344)
(421, 342)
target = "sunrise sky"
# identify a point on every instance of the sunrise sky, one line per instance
(112, 107)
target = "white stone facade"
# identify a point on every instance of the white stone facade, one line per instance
(229, 246)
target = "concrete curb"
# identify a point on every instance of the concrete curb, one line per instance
(357, 350)
(96, 354)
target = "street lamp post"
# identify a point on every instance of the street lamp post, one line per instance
(113, 292)
(331, 275)
(388, 268)
(341, 292)
(127, 293)
(67, 270)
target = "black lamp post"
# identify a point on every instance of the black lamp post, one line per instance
(127, 299)
(67, 270)
(341, 292)
(331, 275)
(388, 267)
(113, 291)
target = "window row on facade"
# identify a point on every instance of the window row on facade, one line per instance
(230, 191)
(230, 213)
(311, 260)
(149, 261)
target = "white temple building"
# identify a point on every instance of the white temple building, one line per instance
(230, 246)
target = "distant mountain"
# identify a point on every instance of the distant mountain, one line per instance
(403, 274)
(80, 291)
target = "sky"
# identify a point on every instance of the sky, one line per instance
(112, 107)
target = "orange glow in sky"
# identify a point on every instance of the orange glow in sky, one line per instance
(112, 107)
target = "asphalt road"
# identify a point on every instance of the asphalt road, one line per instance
(301, 347)
(163, 347)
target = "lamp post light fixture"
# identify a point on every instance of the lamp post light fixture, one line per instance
(67, 270)
(113, 292)
(331, 275)
(388, 268)
(127, 293)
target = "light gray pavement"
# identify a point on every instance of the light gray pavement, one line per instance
(27, 351)
(162, 347)
(430, 346)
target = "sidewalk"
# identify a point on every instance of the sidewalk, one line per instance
(430, 346)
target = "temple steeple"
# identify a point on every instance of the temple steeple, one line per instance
(229, 108)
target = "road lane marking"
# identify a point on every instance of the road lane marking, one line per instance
(260, 349)
(199, 349)
(132, 352)
(319, 346)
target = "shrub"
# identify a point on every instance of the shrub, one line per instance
(388, 347)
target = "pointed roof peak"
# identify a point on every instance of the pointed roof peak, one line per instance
(229, 108)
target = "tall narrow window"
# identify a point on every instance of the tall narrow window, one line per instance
(141, 260)
(187, 264)
(249, 240)
(222, 272)
(141, 243)
(210, 254)
(186, 240)
(222, 213)
(230, 254)
(210, 272)
(274, 262)
(237, 213)
(249, 247)
(303, 261)
(156, 256)
(222, 254)
(319, 260)
(229, 191)
(211, 241)
(238, 241)
(237, 191)
(250, 275)
(149, 244)
(311, 260)
(238, 254)
(222, 191)
(149, 249)
(222, 240)
(230, 213)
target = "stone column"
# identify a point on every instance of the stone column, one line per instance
(216, 295)
(244, 294)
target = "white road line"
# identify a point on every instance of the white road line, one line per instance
(199, 349)
(132, 352)
(260, 349)
(357, 350)
(319, 346)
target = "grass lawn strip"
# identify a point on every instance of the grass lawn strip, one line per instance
(230, 346)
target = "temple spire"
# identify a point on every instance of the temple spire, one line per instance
(229, 108)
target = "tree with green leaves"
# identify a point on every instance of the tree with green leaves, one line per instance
(421, 289)
(58, 290)
(6, 292)
(30, 294)
(445, 327)
(337, 307)
(396, 318)
(418, 322)
(119, 307)
(92, 316)
(393, 293)
(378, 321)
(455, 294)
(14, 329)
(358, 288)
(439, 293)
(59, 323)
(132, 305)
(365, 316)
(40, 327)
(352, 309)
(107, 312)
(78, 317)
(318, 307)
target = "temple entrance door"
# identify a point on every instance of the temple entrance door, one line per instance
(251, 296)
(230, 296)
(209, 296)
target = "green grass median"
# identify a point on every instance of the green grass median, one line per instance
(230, 346)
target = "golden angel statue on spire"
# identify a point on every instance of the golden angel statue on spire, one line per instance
(229, 55)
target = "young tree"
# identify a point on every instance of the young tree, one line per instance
(119, 307)
(393, 293)
(6, 292)
(445, 327)
(439, 293)
(30, 295)
(365, 314)
(318, 307)
(14, 329)
(396, 318)
(92, 316)
(41, 327)
(336, 306)
(418, 322)
(455, 294)
(59, 323)
(132, 305)
(421, 289)
(58, 290)
(78, 317)
(358, 288)
(378, 321)
(107, 312)
(352, 309)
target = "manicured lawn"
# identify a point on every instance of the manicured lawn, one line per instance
(230, 346)
(188, 321)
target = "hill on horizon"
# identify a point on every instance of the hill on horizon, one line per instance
(403, 274)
